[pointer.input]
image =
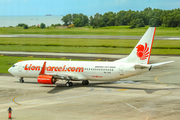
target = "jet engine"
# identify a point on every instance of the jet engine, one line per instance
(46, 79)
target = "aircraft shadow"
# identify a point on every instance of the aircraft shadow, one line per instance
(26, 82)
(60, 87)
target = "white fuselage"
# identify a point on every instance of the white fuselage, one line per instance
(100, 71)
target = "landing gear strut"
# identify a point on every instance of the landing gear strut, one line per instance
(21, 80)
(85, 82)
(69, 84)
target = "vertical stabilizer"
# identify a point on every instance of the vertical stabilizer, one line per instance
(142, 51)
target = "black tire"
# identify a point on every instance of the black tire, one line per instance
(67, 84)
(85, 82)
(71, 84)
(21, 81)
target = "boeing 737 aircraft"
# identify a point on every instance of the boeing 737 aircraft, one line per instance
(49, 71)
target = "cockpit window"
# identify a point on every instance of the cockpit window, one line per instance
(13, 65)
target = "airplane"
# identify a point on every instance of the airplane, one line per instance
(50, 71)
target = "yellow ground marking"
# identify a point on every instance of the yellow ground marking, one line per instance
(162, 75)
(30, 56)
(22, 95)
(122, 89)
(98, 60)
(1, 55)
(63, 58)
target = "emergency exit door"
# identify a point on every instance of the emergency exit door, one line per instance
(121, 70)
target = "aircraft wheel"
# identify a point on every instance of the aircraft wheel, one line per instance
(69, 84)
(21, 80)
(85, 82)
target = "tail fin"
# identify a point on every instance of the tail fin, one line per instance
(142, 51)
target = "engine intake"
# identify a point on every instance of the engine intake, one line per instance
(46, 79)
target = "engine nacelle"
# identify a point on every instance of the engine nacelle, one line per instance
(46, 79)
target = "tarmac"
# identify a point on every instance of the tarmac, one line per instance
(153, 95)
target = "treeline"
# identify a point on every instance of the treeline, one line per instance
(42, 25)
(149, 16)
(79, 20)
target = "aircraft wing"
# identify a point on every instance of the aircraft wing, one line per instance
(68, 76)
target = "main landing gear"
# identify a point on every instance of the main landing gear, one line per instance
(21, 80)
(70, 84)
(85, 82)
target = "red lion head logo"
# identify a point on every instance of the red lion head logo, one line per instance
(142, 51)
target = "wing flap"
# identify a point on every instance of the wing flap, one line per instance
(68, 76)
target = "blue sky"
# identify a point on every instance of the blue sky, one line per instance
(87, 7)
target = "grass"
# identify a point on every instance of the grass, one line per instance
(7, 61)
(114, 46)
(110, 30)
(84, 49)
(67, 42)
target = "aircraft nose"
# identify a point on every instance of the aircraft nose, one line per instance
(9, 70)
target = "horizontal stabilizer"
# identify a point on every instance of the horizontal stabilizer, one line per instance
(162, 63)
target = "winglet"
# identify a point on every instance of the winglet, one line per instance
(43, 69)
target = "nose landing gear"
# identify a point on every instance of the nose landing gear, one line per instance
(21, 80)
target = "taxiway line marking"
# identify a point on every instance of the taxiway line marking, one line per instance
(14, 99)
(133, 107)
(162, 75)
(122, 89)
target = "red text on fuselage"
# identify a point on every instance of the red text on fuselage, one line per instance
(54, 68)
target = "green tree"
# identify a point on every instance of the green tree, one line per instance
(52, 25)
(154, 22)
(120, 18)
(91, 21)
(109, 19)
(42, 26)
(78, 23)
(97, 20)
(21, 25)
(137, 23)
(25, 26)
(67, 19)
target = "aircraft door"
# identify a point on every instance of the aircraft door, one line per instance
(20, 67)
(121, 70)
